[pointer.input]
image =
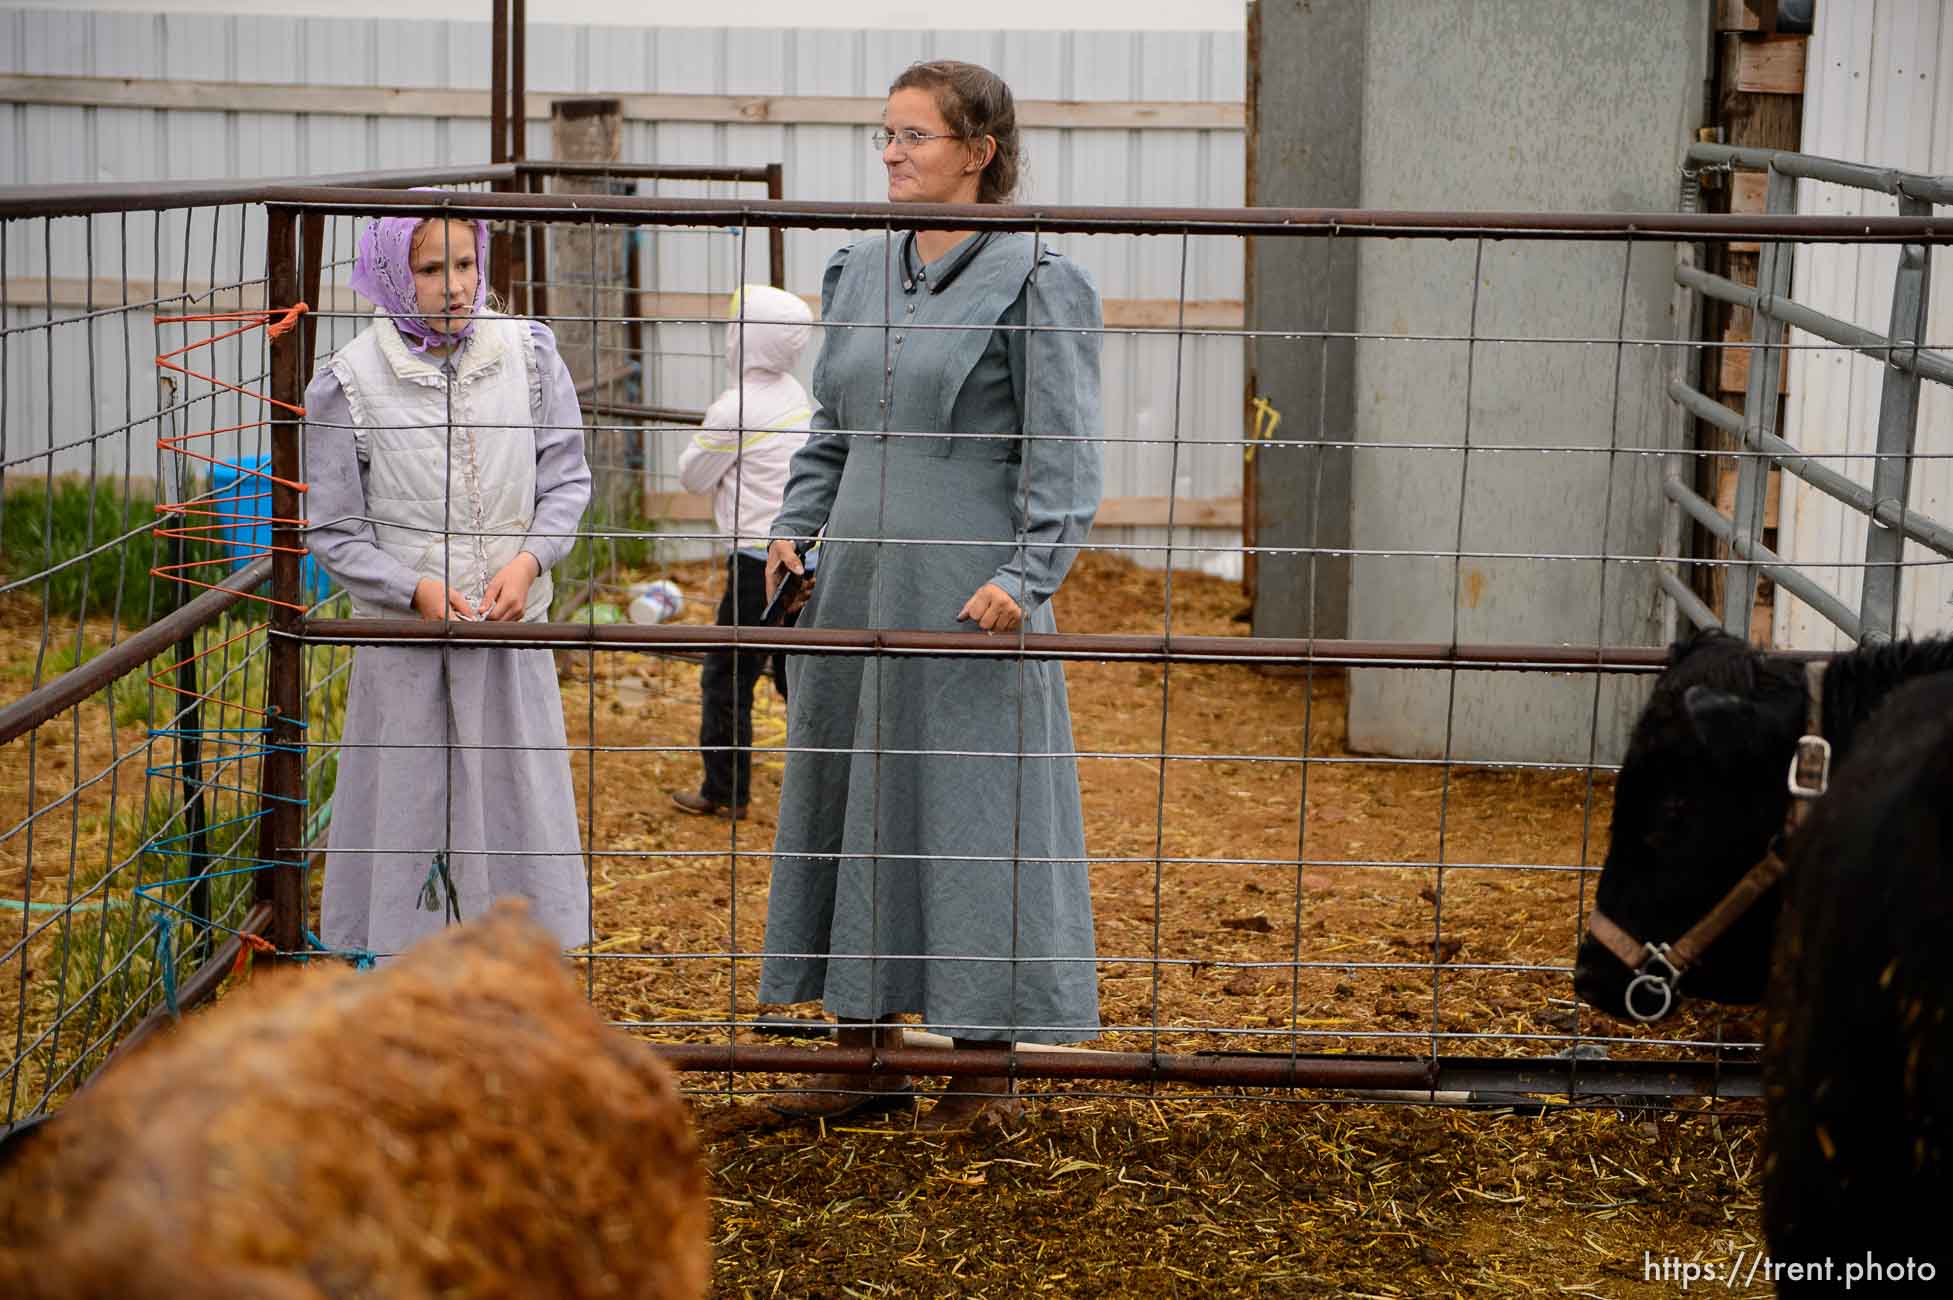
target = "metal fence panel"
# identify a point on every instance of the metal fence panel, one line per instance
(1875, 94)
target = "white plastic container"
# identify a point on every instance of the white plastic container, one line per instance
(655, 602)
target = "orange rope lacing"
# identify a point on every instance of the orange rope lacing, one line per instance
(223, 521)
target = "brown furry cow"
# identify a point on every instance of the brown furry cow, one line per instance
(457, 1123)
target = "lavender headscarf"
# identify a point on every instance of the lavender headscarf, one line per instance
(383, 274)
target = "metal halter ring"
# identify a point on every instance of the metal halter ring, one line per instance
(1662, 981)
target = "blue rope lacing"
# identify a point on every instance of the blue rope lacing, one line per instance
(440, 882)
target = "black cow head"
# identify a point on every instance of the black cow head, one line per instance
(1700, 795)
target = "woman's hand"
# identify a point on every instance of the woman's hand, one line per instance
(428, 602)
(507, 595)
(992, 609)
(782, 558)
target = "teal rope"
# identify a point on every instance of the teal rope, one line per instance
(360, 957)
(440, 881)
(166, 960)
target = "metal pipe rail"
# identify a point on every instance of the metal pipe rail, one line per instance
(71, 200)
(18, 201)
(1687, 601)
(1804, 166)
(1917, 527)
(1322, 652)
(1902, 354)
(744, 175)
(1905, 364)
(1778, 569)
(77, 684)
(1551, 1075)
(605, 209)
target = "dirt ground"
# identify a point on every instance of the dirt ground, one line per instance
(1106, 1190)
(1111, 1191)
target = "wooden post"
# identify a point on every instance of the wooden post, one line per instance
(1762, 120)
(588, 265)
(498, 80)
(514, 249)
(281, 829)
(538, 246)
(519, 82)
(314, 264)
(776, 238)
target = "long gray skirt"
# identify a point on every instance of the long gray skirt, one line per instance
(497, 800)
(930, 855)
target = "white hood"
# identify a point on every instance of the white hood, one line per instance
(776, 327)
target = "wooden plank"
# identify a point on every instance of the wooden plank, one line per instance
(1748, 194)
(1762, 620)
(1737, 16)
(388, 101)
(1734, 374)
(1114, 512)
(1726, 492)
(1772, 65)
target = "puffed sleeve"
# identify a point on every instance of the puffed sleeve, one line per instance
(562, 473)
(815, 475)
(337, 533)
(1055, 376)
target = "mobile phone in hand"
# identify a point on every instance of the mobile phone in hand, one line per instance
(776, 609)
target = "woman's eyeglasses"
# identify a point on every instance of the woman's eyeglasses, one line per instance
(908, 139)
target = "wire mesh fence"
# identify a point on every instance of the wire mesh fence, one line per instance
(131, 441)
(1343, 860)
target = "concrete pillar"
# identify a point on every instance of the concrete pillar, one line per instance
(1305, 149)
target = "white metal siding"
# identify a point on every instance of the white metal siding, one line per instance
(1096, 166)
(1878, 89)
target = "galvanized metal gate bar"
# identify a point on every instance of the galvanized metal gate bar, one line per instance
(1760, 403)
(1890, 524)
(1898, 422)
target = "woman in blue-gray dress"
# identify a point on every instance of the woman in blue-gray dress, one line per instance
(930, 853)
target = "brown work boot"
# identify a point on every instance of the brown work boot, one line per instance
(977, 1102)
(835, 1096)
(699, 806)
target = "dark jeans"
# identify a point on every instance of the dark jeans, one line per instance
(725, 727)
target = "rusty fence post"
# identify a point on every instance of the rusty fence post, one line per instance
(501, 247)
(281, 829)
(776, 237)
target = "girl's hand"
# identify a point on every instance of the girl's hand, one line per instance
(429, 604)
(992, 609)
(508, 591)
(781, 559)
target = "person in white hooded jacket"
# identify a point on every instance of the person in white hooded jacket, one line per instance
(740, 456)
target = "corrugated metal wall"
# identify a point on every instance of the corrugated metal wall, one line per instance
(1147, 395)
(1878, 89)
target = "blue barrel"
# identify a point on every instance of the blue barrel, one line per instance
(234, 489)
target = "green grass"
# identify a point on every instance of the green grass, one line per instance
(43, 533)
(100, 965)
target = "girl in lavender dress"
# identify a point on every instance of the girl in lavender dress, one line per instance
(444, 452)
